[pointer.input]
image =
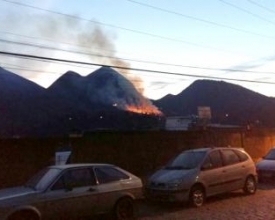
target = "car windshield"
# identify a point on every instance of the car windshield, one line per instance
(42, 179)
(270, 155)
(186, 160)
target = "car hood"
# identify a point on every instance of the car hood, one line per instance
(169, 176)
(266, 164)
(14, 194)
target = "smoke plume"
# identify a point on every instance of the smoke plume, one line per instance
(63, 33)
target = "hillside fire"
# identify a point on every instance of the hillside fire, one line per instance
(145, 110)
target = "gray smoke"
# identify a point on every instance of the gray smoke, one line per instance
(65, 33)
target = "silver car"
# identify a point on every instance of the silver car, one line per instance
(71, 192)
(196, 174)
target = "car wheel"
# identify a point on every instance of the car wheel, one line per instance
(24, 215)
(250, 185)
(197, 196)
(124, 209)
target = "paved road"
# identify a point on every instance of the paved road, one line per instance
(232, 206)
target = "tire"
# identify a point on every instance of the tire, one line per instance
(24, 215)
(260, 180)
(250, 185)
(124, 209)
(197, 196)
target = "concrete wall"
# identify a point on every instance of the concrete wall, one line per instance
(139, 152)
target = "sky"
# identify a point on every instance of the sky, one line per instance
(164, 45)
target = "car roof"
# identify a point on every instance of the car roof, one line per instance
(211, 148)
(78, 165)
(199, 149)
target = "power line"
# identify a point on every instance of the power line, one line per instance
(118, 27)
(16, 67)
(123, 28)
(54, 48)
(23, 68)
(128, 68)
(52, 40)
(133, 60)
(49, 72)
(248, 12)
(200, 19)
(261, 6)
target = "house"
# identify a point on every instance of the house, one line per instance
(178, 123)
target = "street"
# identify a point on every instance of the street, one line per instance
(230, 206)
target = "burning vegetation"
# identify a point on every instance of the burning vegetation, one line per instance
(145, 110)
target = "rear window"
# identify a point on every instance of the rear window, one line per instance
(241, 155)
(109, 174)
(230, 157)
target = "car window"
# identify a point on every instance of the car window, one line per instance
(75, 178)
(186, 160)
(109, 174)
(213, 160)
(43, 178)
(270, 155)
(242, 156)
(230, 157)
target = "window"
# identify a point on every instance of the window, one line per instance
(75, 178)
(270, 155)
(109, 174)
(42, 179)
(186, 160)
(242, 156)
(230, 157)
(213, 160)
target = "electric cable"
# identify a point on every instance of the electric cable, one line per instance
(128, 68)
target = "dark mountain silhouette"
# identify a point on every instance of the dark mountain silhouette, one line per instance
(72, 104)
(106, 100)
(103, 88)
(21, 104)
(100, 100)
(229, 103)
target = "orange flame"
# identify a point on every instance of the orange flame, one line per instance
(145, 110)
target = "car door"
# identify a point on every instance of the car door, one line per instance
(233, 170)
(73, 195)
(212, 172)
(112, 185)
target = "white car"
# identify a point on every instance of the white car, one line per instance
(72, 191)
(196, 174)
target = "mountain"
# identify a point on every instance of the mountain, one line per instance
(103, 88)
(108, 87)
(21, 104)
(102, 100)
(106, 100)
(73, 104)
(229, 103)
